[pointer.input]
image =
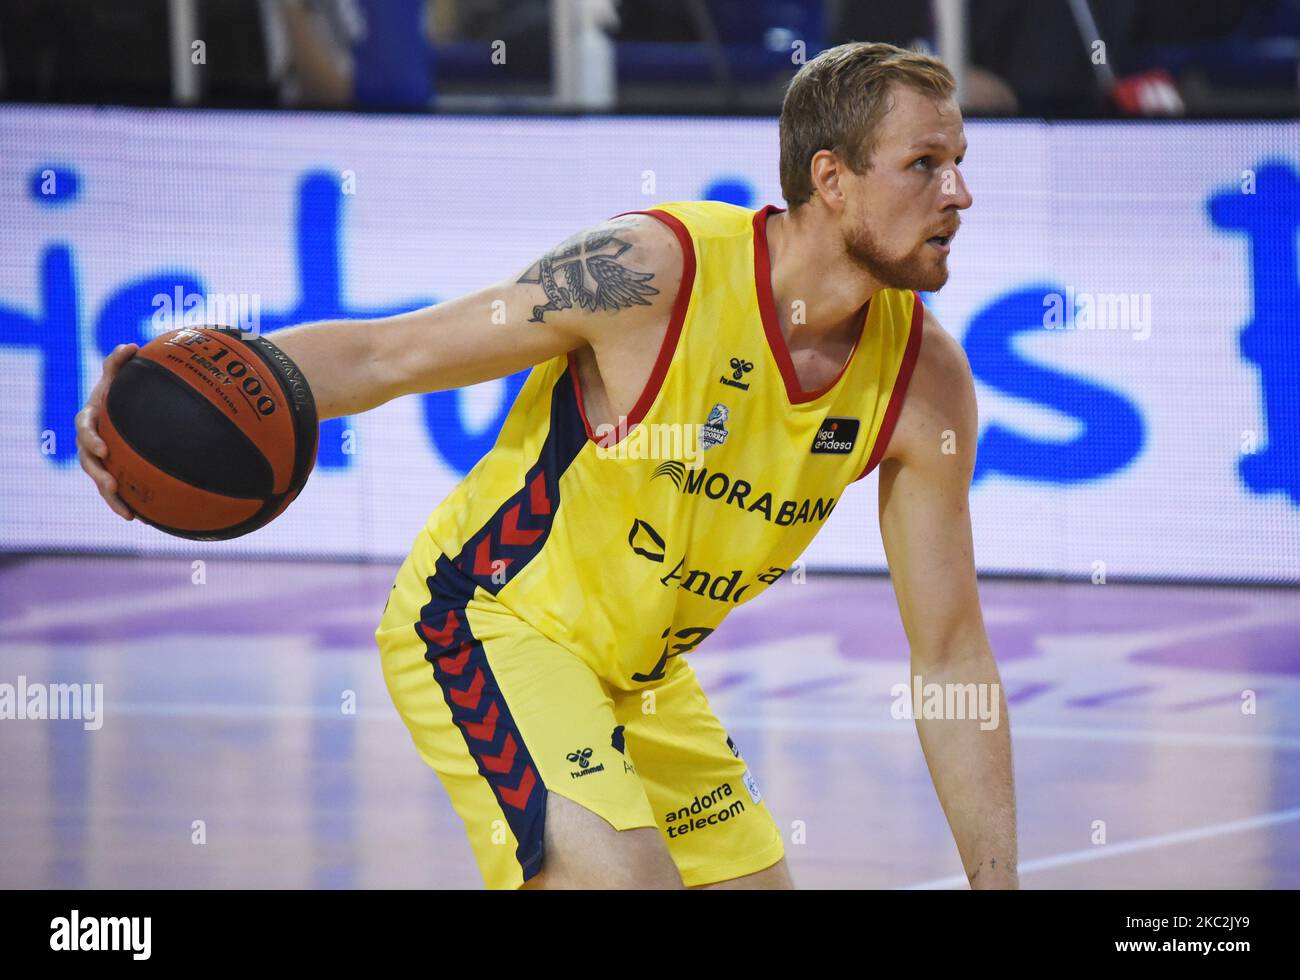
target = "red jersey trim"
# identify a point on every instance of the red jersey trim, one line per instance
(772, 323)
(666, 350)
(896, 396)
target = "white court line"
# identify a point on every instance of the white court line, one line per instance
(1141, 844)
(1021, 731)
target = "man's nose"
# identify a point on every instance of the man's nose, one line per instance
(959, 195)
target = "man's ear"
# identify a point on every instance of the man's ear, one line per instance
(827, 169)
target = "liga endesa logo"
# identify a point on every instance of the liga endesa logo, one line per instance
(836, 435)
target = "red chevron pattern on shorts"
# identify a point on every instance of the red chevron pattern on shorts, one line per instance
(469, 688)
(512, 537)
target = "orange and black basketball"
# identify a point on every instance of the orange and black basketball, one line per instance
(211, 433)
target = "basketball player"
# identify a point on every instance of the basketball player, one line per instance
(534, 639)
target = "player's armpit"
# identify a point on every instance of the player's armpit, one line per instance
(616, 277)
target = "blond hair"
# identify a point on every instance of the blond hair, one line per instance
(837, 100)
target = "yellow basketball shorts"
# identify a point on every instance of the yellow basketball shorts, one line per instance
(506, 716)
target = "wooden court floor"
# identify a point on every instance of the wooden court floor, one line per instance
(224, 720)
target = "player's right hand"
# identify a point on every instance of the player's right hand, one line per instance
(91, 449)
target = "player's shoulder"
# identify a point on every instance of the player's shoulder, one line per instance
(666, 237)
(940, 395)
(940, 356)
(624, 247)
(926, 346)
(643, 258)
(705, 219)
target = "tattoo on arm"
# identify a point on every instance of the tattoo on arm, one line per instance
(585, 271)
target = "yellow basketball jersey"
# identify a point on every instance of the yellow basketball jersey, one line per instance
(630, 547)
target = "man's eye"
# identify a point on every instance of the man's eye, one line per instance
(924, 163)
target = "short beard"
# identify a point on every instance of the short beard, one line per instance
(909, 272)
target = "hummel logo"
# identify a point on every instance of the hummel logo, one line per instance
(582, 757)
(739, 368)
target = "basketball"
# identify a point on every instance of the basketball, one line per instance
(211, 434)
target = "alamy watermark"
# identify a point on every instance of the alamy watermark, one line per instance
(75, 932)
(657, 440)
(177, 309)
(1129, 312)
(52, 702)
(952, 702)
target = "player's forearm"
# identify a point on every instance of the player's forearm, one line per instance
(970, 762)
(338, 359)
